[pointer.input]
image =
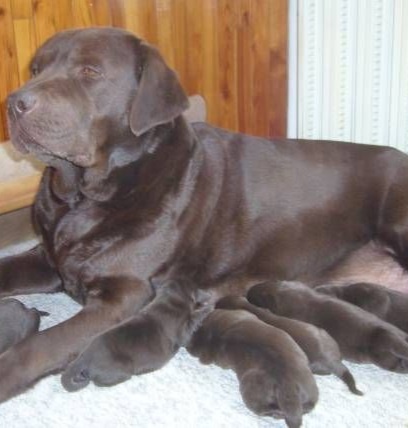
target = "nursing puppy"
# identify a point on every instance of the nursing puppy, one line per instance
(144, 343)
(320, 348)
(16, 322)
(361, 336)
(389, 305)
(273, 372)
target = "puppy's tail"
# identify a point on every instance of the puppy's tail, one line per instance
(43, 314)
(345, 375)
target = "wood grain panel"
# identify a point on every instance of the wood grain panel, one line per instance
(278, 67)
(8, 61)
(101, 12)
(233, 52)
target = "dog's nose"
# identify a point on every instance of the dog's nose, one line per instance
(22, 103)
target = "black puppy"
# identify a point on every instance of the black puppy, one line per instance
(16, 322)
(362, 337)
(389, 305)
(320, 348)
(273, 372)
(144, 343)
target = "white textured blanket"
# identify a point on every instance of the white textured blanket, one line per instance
(187, 394)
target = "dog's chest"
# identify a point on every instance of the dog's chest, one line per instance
(91, 244)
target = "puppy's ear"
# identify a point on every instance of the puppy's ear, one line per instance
(290, 404)
(159, 98)
(203, 298)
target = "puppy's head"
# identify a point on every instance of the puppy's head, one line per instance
(284, 400)
(194, 303)
(91, 89)
(264, 295)
(329, 290)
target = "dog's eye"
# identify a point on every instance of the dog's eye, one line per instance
(34, 71)
(90, 72)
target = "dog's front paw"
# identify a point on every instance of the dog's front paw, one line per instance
(101, 363)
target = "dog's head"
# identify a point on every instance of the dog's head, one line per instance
(91, 88)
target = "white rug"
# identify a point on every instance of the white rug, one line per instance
(186, 394)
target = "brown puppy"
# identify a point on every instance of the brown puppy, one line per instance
(389, 305)
(274, 375)
(16, 322)
(362, 337)
(320, 348)
(144, 343)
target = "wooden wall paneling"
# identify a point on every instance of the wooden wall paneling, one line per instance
(140, 18)
(64, 13)
(245, 108)
(226, 51)
(25, 46)
(44, 20)
(117, 10)
(24, 34)
(81, 13)
(8, 63)
(22, 9)
(210, 60)
(101, 13)
(278, 67)
(178, 16)
(164, 28)
(195, 39)
(260, 74)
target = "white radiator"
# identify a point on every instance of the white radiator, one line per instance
(349, 71)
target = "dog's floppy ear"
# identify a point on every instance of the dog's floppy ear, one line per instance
(160, 97)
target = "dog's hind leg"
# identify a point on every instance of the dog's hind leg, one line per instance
(392, 228)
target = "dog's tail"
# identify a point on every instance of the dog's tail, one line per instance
(345, 375)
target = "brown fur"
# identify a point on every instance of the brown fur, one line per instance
(320, 348)
(389, 305)
(361, 336)
(275, 379)
(17, 322)
(144, 343)
(132, 191)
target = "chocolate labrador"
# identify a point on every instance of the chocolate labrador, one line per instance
(361, 336)
(144, 343)
(273, 372)
(132, 190)
(320, 348)
(389, 305)
(17, 322)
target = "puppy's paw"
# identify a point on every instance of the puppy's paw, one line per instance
(75, 377)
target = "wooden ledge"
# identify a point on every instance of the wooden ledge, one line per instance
(18, 193)
(19, 179)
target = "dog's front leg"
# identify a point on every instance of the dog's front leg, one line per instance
(110, 301)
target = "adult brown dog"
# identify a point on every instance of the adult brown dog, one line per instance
(132, 190)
